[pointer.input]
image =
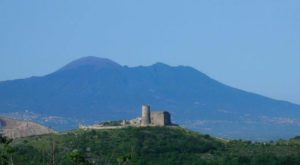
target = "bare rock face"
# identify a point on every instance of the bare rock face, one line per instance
(15, 128)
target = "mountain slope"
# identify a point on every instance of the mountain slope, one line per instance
(92, 89)
(15, 129)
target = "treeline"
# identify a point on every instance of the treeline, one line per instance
(159, 145)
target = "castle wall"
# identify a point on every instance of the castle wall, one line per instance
(160, 118)
(148, 118)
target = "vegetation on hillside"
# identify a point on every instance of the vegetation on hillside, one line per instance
(6, 151)
(150, 145)
(112, 123)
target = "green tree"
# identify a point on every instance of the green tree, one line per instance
(6, 150)
(124, 159)
(77, 158)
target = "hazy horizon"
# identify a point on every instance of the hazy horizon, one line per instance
(252, 45)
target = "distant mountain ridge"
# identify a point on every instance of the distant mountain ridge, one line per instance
(93, 89)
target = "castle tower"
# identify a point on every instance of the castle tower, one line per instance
(145, 115)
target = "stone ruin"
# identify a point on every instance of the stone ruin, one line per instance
(154, 118)
(148, 118)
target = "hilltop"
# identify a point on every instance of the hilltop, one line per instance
(93, 89)
(15, 128)
(150, 145)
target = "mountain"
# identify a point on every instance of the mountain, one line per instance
(91, 62)
(15, 128)
(94, 89)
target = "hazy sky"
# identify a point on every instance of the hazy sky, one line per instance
(252, 45)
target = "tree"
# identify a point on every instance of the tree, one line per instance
(123, 159)
(77, 158)
(6, 151)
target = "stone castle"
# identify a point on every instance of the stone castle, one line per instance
(148, 118)
(154, 118)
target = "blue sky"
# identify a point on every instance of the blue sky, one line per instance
(252, 45)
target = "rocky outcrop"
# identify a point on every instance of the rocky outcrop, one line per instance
(15, 128)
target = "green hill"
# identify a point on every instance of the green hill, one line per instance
(150, 145)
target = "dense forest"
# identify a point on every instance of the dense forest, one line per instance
(149, 145)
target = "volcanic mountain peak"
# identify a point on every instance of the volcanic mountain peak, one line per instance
(159, 64)
(91, 61)
(95, 89)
